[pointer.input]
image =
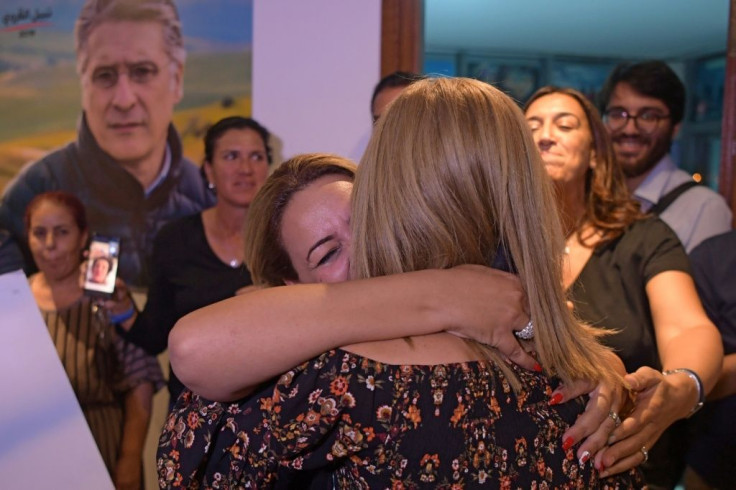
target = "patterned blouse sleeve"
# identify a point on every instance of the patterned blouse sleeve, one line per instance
(301, 423)
(298, 426)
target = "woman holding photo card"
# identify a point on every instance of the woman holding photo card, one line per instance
(113, 380)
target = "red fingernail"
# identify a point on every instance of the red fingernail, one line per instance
(567, 443)
(556, 398)
(584, 458)
(538, 367)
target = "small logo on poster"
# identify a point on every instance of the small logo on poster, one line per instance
(26, 21)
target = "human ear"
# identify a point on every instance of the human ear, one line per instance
(593, 159)
(178, 82)
(675, 130)
(83, 238)
(208, 172)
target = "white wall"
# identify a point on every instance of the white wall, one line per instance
(315, 64)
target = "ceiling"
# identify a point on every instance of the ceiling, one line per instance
(665, 29)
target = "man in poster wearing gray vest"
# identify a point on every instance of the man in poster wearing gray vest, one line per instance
(126, 165)
(643, 105)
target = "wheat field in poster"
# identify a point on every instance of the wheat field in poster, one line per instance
(39, 87)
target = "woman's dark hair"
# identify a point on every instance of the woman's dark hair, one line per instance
(608, 203)
(215, 132)
(651, 78)
(393, 80)
(65, 199)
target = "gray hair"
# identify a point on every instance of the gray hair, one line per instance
(95, 12)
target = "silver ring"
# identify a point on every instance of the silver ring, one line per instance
(526, 333)
(614, 416)
(645, 453)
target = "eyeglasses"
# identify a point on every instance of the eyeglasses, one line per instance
(646, 121)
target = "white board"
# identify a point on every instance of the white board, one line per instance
(44, 439)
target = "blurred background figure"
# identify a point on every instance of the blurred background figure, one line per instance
(643, 105)
(712, 452)
(113, 379)
(388, 88)
(198, 260)
(629, 274)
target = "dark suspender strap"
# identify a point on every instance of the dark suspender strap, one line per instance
(671, 196)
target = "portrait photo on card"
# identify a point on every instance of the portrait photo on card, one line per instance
(102, 265)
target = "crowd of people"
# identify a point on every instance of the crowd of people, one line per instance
(501, 296)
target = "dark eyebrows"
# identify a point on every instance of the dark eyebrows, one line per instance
(641, 109)
(566, 114)
(318, 243)
(574, 121)
(555, 118)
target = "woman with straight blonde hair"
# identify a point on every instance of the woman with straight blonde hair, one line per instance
(457, 164)
(451, 176)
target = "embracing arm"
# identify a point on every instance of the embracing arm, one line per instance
(686, 338)
(222, 351)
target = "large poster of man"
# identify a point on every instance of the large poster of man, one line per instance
(133, 88)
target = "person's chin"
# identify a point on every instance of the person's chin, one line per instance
(125, 149)
(635, 167)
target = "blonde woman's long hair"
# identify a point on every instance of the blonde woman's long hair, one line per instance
(452, 176)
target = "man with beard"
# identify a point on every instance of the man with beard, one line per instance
(643, 105)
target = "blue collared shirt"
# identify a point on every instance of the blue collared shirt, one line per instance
(696, 215)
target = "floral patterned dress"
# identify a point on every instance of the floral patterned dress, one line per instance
(344, 421)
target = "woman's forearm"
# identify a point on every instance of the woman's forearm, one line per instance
(138, 403)
(225, 349)
(686, 338)
(135, 426)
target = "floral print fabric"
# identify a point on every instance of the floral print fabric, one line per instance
(356, 423)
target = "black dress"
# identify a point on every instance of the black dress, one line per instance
(187, 275)
(610, 293)
(361, 424)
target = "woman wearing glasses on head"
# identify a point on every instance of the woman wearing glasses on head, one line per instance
(628, 273)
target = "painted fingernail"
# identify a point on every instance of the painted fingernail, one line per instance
(567, 443)
(538, 367)
(556, 398)
(584, 458)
